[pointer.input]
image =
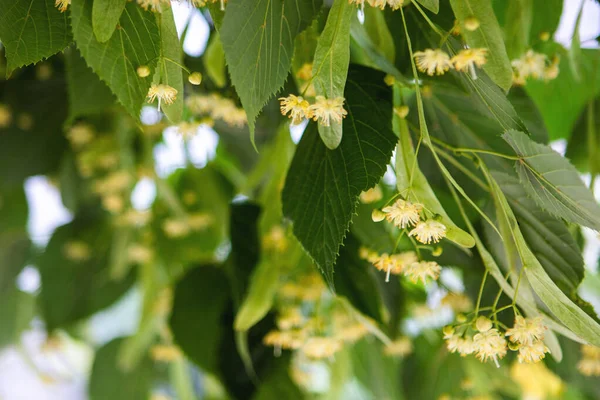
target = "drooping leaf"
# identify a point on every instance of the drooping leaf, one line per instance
(214, 61)
(32, 30)
(411, 181)
(168, 72)
(76, 286)
(105, 17)
(330, 65)
(431, 5)
(322, 186)
(261, 295)
(545, 18)
(561, 306)
(379, 32)
(583, 147)
(553, 182)
(575, 49)
(258, 41)
(87, 93)
(488, 35)
(134, 44)
(529, 113)
(519, 14)
(109, 381)
(547, 237)
(199, 300)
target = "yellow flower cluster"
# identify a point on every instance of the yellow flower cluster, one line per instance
(311, 322)
(275, 240)
(532, 65)
(404, 214)
(325, 111)
(488, 342)
(437, 62)
(181, 227)
(394, 4)
(405, 263)
(589, 365)
(372, 195)
(219, 108)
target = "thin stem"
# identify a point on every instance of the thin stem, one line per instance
(431, 24)
(591, 141)
(485, 274)
(514, 302)
(463, 169)
(178, 64)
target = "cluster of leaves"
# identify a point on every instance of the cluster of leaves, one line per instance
(212, 266)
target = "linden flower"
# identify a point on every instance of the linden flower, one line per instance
(400, 347)
(526, 330)
(395, 4)
(367, 254)
(296, 107)
(403, 213)
(321, 347)
(62, 5)
(551, 71)
(429, 231)
(138, 253)
(165, 353)
(489, 344)
(468, 59)
(154, 5)
(458, 344)
(199, 221)
(290, 318)
(327, 110)
(162, 92)
(352, 333)
(377, 3)
(395, 263)
(284, 340)
(79, 135)
(589, 365)
(532, 352)
(305, 72)
(175, 228)
(422, 270)
(432, 61)
(530, 64)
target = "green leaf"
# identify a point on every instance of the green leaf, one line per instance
(278, 385)
(322, 187)
(548, 238)
(167, 72)
(545, 18)
(18, 308)
(378, 31)
(356, 282)
(575, 49)
(33, 144)
(431, 5)
(199, 300)
(134, 44)
(108, 381)
(584, 143)
(87, 93)
(553, 182)
(32, 30)
(214, 61)
(529, 113)
(559, 304)
(519, 14)
(258, 41)
(14, 251)
(74, 289)
(105, 17)
(330, 65)
(261, 295)
(561, 116)
(374, 57)
(488, 36)
(411, 181)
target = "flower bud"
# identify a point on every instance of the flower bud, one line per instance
(377, 215)
(143, 71)
(195, 78)
(471, 24)
(483, 324)
(401, 111)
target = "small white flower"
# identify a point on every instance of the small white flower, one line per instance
(429, 231)
(403, 213)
